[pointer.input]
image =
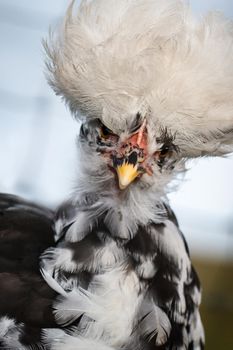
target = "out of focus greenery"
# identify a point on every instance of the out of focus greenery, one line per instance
(217, 302)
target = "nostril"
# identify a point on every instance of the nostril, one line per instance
(133, 158)
(117, 161)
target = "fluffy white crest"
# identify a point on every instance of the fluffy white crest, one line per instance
(112, 59)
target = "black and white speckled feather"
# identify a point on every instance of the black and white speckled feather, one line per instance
(117, 294)
(126, 294)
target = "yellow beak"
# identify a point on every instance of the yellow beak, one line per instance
(127, 173)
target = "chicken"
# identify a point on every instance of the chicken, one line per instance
(152, 87)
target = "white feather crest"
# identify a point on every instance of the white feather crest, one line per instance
(113, 59)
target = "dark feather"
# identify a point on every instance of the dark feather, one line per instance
(26, 230)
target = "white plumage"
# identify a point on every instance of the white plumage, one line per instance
(113, 59)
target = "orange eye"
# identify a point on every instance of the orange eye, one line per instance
(164, 152)
(105, 132)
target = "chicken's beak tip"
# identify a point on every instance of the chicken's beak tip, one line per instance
(127, 173)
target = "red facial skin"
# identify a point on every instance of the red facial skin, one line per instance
(136, 142)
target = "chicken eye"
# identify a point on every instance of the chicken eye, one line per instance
(162, 154)
(105, 136)
(164, 151)
(105, 132)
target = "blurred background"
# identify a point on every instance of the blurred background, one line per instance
(37, 155)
